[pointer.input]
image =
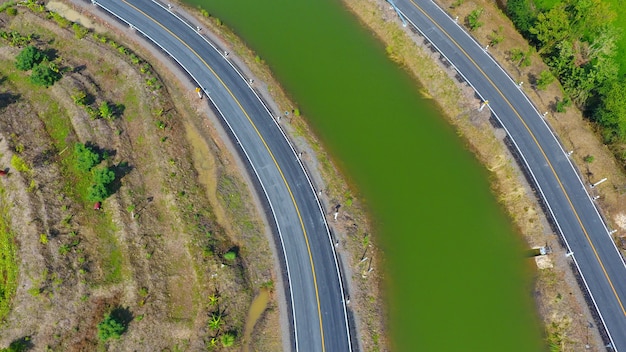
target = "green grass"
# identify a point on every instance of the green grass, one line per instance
(109, 249)
(8, 260)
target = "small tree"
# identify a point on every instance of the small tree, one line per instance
(43, 75)
(29, 57)
(110, 328)
(86, 157)
(230, 256)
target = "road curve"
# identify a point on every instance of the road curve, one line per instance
(567, 200)
(315, 291)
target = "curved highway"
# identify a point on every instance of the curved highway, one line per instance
(567, 200)
(315, 293)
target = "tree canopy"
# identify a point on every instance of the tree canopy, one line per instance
(99, 190)
(29, 57)
(86, 157)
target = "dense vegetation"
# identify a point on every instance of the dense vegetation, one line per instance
(578, 41)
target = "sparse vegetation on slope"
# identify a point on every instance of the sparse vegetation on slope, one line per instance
(152, 251)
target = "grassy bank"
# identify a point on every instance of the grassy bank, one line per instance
(8, 258)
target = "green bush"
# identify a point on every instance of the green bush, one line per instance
(99, 190)
(12, 11)
(473, 19)
(86, 157)
(110, 328)
(29, 57)
(545, 79)
(44, 75)
(230, 256)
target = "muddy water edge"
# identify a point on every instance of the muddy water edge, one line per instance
(455, 276)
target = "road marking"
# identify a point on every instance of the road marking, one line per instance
(319, 311)
(595, 252)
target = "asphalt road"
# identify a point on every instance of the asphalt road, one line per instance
(315, 292)
(567, 198)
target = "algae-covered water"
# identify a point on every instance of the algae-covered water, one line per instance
(455, 275)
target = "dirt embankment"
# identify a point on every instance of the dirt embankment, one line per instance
(157, 253)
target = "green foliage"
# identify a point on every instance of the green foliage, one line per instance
(12, 11)
(15, 38)
(29, 57)
(60, 20)
(19, 164)
(80, 98)
(110, 328)
(86, 157)
(473, 19)
(545, 79)
(611, 113)
(588, 159)
(19, 345)
(521, 13)
(456, 4)
(216, 321)
(43, 238)
(496, 37)
(99, 189)
(7, 5)
(562, 104)
(44, 75)
(79, 31)
(522, 58)
(227, 339)
(230, 255)
(106, 110)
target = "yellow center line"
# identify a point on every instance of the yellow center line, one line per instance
(595, 252)
(319, 312)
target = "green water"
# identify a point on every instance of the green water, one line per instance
(456, 277)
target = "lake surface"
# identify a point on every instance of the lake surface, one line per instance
(456, 277)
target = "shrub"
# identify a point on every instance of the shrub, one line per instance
(473, 19)
(12, 11)
(43, 75)
(544, 80)
(86, 157)
(28, 58)
(110, 328)
(106, 110)
(99, 190)
(230, 256)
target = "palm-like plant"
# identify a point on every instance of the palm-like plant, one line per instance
(216, 321)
